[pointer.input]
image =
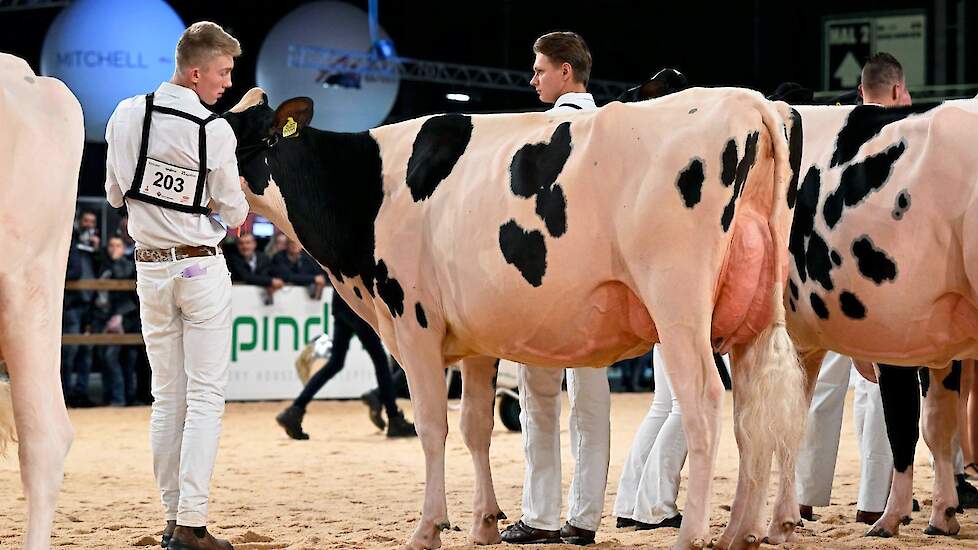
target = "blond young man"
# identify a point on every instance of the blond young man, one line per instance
(172, 163)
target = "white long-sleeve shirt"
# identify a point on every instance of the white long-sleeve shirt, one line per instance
(173, 140)
(573, 101)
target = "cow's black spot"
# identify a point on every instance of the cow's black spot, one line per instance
(851, 306)
(803, 219)
(818, 306)
(952, 382)
(791, 303)
(690, 182)
(356, 291)
(729, 163)
(794, 156)
(536, 165)
(873, 262)
(390, 290)
(859, 180)
(866, 121)
(900, 389)
(817, 261)
(437, 147)
(743, 169)
(793, 288)
(836, 258)
(924, 375)
(332, 187)
(525, 250)
(693, 110)
(902, 205)
(552, 209)
(419, 314)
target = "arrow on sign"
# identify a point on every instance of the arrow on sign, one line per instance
(848, 71)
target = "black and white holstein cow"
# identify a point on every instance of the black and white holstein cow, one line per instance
(557, 240)
(884, 248)
(40, 155)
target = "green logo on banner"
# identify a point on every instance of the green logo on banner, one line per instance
(276, 333)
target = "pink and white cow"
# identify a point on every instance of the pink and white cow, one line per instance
(40, 154)
(884, 268)
(558, 240)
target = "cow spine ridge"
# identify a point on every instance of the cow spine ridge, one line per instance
(770, 418)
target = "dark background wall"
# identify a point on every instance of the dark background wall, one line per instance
(752, 43)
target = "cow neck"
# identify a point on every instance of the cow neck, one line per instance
(332, 187)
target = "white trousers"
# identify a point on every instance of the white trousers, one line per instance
(649, 483)
(817, 456)
(187, 329)
(590, 441)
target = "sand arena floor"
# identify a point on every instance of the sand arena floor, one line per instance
(349, 487)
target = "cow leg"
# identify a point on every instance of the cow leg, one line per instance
(694, 378)
(424, 365)
(940, 426)
(478, 397)
(30, 336)
(900, 391)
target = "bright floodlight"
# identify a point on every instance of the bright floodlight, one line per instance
(458, 97)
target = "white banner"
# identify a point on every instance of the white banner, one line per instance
(266, 339)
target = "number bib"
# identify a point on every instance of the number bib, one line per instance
(173, 184)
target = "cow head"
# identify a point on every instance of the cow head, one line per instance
(258, 130)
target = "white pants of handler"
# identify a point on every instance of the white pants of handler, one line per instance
(817, 456)
(649, 481)
(590, 440)
(187, 329)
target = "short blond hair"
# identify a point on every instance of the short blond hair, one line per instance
(202, 42)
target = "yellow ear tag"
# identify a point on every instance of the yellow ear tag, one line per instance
(290, 128)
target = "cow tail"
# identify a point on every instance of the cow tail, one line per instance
(7, 429)
(770, 400)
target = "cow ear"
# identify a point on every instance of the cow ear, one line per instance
(292, 116)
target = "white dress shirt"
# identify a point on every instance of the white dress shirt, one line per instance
(569, 102)
(173, 140)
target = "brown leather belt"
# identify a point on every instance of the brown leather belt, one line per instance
(174, 254)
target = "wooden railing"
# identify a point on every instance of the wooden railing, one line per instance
(102, 339)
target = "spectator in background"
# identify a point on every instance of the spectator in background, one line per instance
(76, 361)
(123, 232)
(118, 312)
(252, 267)
(295, 267)
(278, 243)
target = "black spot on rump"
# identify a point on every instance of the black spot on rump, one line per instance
(859, 180)
(729, 159)
(743, 169)
(536, 165)
(525, 250)
(793, 288)
(356, 291)
(690, 182)
(873, 262)
(390, 290)
(836, 258)
(803, 219)
(866, 121)
(419, 314)
(795, 143)
(817, 261)
(952, 382)
(851, 306)
(437, 147)
(900, 391)
(818, 306)
(552, 208)
(902, 205)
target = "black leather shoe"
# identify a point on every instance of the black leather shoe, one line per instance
(967, 493)
(398, 426)
(622, 523)
(869, 518)
(291, 420)
(674, 522)
(521, 533)
(171, 524)
(373, 403)
(807, 513)
(196, 538)
(575, 535)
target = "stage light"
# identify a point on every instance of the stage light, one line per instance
(458, 97)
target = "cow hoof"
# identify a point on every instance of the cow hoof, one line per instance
(486, 531)
(698, 543)
(879, 532)
(938, 532)
(751, 540)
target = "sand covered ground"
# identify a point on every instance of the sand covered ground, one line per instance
(350, 487)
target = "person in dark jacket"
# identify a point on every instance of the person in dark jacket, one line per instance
(118, 312)
(346, 325)
(77, 360)
(251, 266)
(295, 267)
